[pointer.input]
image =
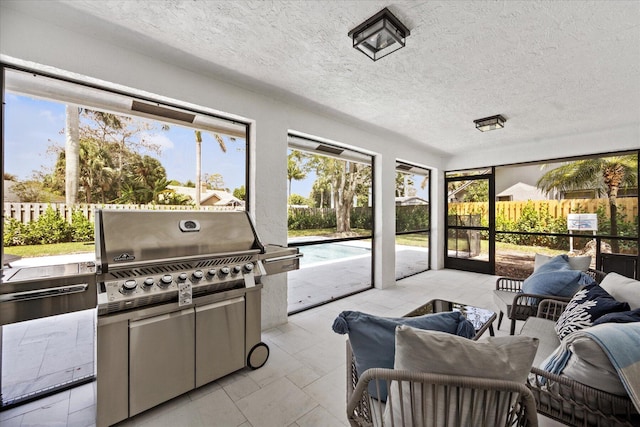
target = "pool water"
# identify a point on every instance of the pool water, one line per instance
(327, 252)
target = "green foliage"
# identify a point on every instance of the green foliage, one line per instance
(33, 191)
(315, 218)
(296, 199)
(303, 218)
(240, 192)
(532, 221)
(50, 227)
(82, 229)
(409, 218)
(361, 218)
(14, 232)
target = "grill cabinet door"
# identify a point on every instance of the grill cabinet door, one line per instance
(161, 359)
(219, 339)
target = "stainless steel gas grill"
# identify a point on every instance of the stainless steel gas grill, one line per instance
(179, 303)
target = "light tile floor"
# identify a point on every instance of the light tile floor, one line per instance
(303, 382)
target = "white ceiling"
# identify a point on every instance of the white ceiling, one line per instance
(552, 68)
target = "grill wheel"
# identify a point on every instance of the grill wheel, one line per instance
(258, 356)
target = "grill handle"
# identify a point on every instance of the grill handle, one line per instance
(44, 293)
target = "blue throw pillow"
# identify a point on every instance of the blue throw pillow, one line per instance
(373, 338)
(619, 317)
(556, 278)
(587, 306)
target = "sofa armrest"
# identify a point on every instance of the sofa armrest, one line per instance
(525, 305)
(551, 309)
(576, 404)
(509, 284)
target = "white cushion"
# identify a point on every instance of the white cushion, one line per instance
(622, 289)
(505, 358)
(581, 263)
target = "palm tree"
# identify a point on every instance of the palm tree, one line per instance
(605, 175)
(72, 153)
(294, 171)
(223, 147)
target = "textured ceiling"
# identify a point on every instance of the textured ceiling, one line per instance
(552, 68)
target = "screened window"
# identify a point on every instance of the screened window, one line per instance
(412, 205)
(330, 219)
(70, 148)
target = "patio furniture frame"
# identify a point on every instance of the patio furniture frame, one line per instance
(526, 305)
(459, 392)
(571, 402)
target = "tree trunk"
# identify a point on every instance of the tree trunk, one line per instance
(198, 168)
(72, 154)
(613, 208)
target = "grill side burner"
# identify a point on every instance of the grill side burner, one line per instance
(179, 303)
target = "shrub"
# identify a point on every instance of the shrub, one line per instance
(409, 218)
(14, 232)
(50, 227)
(81, 228)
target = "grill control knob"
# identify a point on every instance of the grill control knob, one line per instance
(248, 267)
(197, 275)
(129, 285)
(182, 277)
(148, 281)
(166, 280)
(224, 271)
(211, 272)
(237, 269)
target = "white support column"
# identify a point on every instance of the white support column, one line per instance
(385, 221)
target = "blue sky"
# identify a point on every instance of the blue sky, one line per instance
(33, 125)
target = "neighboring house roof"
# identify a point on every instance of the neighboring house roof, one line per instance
(411, 200)
(8, 195)
(522, 191)
(209, 197)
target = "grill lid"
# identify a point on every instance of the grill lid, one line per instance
(126, 238)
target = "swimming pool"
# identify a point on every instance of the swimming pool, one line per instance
(327, 252)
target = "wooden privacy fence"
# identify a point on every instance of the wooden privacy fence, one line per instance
(27, 212)
(628, 206)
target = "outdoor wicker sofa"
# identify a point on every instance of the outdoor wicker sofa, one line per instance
(562, 398)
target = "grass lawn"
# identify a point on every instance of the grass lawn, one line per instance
(31, 251)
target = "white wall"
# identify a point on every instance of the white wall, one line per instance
(29, 42)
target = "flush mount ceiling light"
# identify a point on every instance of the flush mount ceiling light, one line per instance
(490, 123)
(379, 35)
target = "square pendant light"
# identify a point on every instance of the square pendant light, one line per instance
(490, 123)
(379, 35)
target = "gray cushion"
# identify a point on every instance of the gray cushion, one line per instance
(505, 358)
(544, 330)
(373, 338)
(504, 300)
(508, 357)
(622, 288)
(590, 365)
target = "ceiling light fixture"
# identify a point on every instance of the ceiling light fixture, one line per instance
(379, 35)
(490, 123)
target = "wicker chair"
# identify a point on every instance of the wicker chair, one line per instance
(569, 401)
(436, 400)
(510, 299)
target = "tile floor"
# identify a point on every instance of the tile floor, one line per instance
(303, 382)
